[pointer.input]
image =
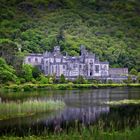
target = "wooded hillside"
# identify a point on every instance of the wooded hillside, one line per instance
(109, 28)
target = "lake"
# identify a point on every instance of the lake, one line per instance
(82, 107)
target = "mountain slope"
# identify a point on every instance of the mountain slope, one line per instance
(109, 28)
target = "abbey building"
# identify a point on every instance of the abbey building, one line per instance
(87, 64)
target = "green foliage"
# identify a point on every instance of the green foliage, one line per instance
(87, 133)
(70, 85)
(22, 80)
(27, 108)
(27, 72)
(62, 79)
(138, 77)
(110, 29)
(7, 73)
(95, 81)
(36, 72)
(43, 79)
(80, 80)
(133, 71)
(129, 80)
(110, 82)
(8, 50)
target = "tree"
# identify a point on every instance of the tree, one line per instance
(138, 77)
(91, 1)
(27, 72)
(17, 62)
(110, 82)
(43, 79)
(8, 50)
(53, 78)
(7, 73)
(36, 72)
(60, 36)
(133, 71)
(62, 79)
(129, 80)
(80, 80)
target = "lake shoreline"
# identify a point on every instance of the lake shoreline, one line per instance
(69, 86)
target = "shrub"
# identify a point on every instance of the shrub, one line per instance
(43, 79)
(133, 71)
(27, 72)
(22, 80)
(80, 80)
(62, 79)
(28, 87)
(110, 82)
(34, 81)
(63, 86)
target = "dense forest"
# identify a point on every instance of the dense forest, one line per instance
(108, 28)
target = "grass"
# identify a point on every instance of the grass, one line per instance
(28, 87)
(123, 102)
(92, 134)
(27, 108)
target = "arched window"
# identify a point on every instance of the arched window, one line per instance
(63, 66)
(42, 61)
(97, 68)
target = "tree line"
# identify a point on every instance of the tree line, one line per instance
(32, 74)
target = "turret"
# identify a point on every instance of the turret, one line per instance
(83, 50)
(57, 49)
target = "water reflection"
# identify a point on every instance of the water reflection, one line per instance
(83, 106)
(82, 115)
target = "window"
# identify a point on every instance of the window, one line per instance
(56, 69)
(97, 68)
(74, 66)
(91, 61)
(42, 61)
(29, 59)
(52, 69)
(63, 66)
(91, 73)
(36, 60)
(46, 69)
(104, 67)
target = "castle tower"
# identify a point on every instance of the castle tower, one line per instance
(83, 50)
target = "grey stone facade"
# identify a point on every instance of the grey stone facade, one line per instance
(86, 65)
(115, 72)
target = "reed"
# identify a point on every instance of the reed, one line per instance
(79, 131)
(26, 108)
(92, 134)
(123, 102)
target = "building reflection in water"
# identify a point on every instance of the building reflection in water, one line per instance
(83, 106)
